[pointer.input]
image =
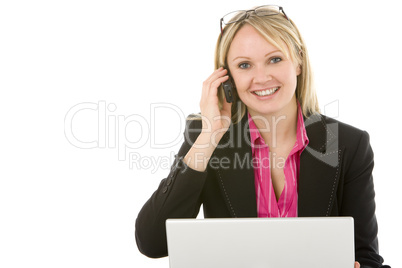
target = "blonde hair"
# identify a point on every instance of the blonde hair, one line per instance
(280, 32)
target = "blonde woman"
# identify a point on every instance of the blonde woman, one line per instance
(268, 152)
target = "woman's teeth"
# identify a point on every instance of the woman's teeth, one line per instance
(267, 92)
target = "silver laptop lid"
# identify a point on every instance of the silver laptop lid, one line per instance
(261, 242)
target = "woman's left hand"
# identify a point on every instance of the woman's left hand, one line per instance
(357, 264)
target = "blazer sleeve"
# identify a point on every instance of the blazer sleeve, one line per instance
(358, 201)
(178, 196)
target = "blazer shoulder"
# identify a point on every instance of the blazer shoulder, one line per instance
(324, 131)
(347, 131)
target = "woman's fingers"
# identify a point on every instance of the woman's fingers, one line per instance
(210, 87)
(216, 74)
(209, 104)
(212, 83)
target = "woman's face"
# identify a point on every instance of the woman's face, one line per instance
(265, 79)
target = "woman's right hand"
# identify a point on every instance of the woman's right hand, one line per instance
(215, 122)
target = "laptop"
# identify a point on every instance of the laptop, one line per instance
(261, 242)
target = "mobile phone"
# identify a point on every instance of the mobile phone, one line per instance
(228, 89)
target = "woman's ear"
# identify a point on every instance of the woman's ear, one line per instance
(299, 67)
(298, 70)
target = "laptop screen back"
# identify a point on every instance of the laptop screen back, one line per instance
(261, 242)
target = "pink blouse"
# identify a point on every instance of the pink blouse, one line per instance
(267, 204)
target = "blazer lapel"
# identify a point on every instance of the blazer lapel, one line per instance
(236, 178)
(319, 168)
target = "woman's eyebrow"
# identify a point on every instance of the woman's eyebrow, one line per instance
(266, 55)
(269, 53)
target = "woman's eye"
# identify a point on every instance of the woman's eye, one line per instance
(275, 60)
(244, 65)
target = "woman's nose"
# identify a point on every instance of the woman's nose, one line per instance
(262, 75)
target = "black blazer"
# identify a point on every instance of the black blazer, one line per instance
(335, 180)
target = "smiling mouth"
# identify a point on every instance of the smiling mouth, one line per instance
(266, 92)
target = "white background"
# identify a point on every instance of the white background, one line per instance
(65, 206)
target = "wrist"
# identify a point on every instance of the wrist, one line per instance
(210, 139)
(198, 156)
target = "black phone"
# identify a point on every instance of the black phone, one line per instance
(228, 89)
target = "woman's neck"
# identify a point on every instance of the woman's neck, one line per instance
(278, 128)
